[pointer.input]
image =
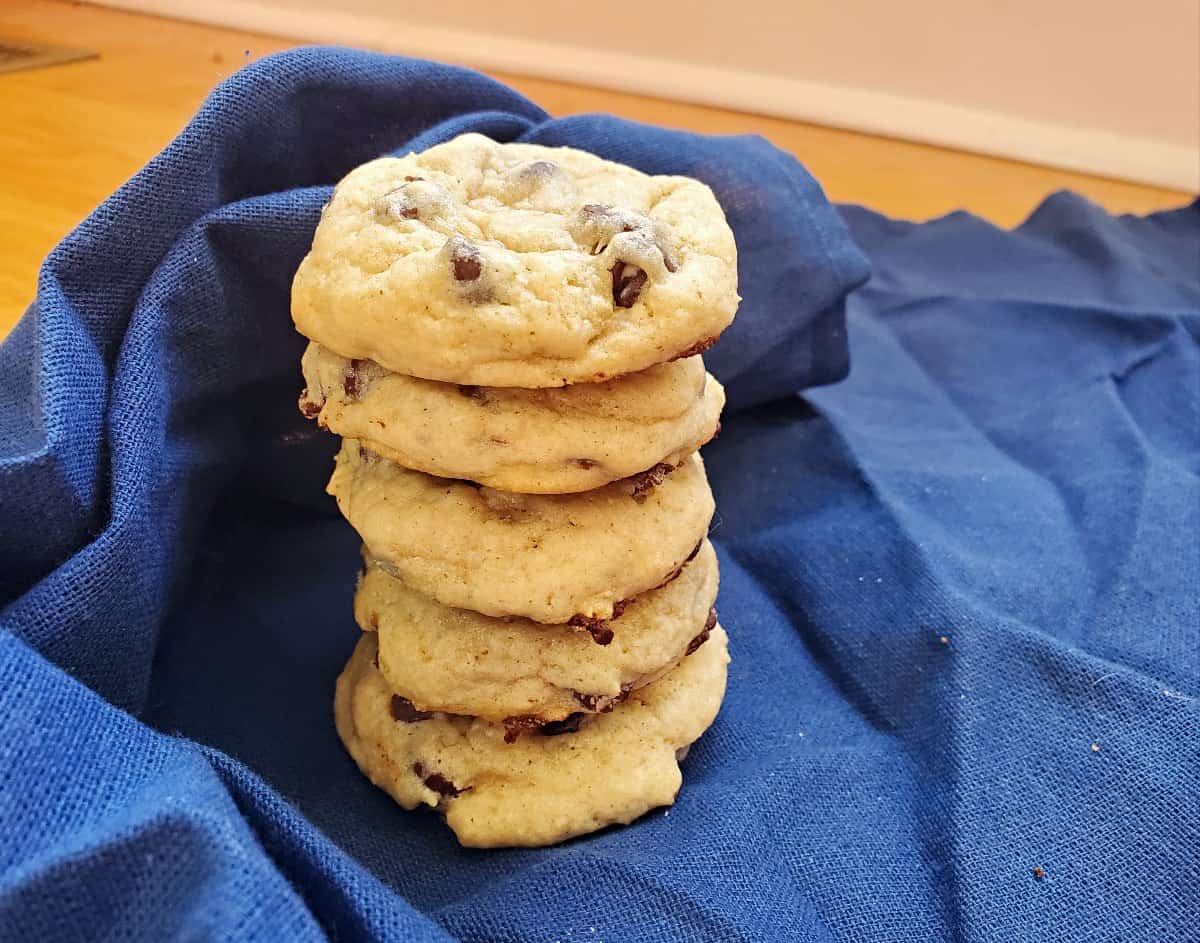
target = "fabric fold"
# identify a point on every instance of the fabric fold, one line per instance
(963, 581)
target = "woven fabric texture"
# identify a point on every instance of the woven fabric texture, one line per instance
(962, 584)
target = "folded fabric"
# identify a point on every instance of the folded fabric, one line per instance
(963, 584)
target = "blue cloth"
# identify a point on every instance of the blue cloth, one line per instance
(962, 585)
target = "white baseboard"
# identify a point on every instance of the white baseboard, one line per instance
(1139, 159)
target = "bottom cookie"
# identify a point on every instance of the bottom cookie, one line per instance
(544, 788)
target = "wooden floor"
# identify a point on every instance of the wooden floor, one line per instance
(71, 134)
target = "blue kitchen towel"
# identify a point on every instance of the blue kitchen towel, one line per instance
(962, 585)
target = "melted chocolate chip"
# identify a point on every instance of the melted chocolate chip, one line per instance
(668, 259)
(467, 269)
(645, 482)
(598, 628)
(591, 212)
(309, 408)
(598, 223)
(465, 260)
(352, 381)
(697, 348)
(437, 782)
(539, 170)
(585, 462)
(603, 703)
(403, 710)
(473, 392)
(627, 283)
(515, 726)
(398, 204)
(703, 636)
(568, 724)
(674, 574)
(590, 701)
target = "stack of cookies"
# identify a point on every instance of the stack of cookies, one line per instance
(507, 338)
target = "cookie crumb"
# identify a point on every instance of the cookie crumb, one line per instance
(944, 639)
(1038, 873)
(1095, 748)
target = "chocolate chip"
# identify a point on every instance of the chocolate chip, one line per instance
(668, 259)
(697, 348)
(585, 462)
(467, 269)
(403, 710)
(703, 636)
(627, 283)
(597, 223)
(594, 212)
(598, 628)
(568, 724)
(539, 170)
(662, 242)
(590, 701)
(352, 381)
(398, 204)
(603, 703)
(515, 726)
(674, 574)
(416, 198)
(465, 260)
(645, 482)
(437, 782)
(309, 408)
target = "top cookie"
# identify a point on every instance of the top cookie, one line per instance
(516, 265)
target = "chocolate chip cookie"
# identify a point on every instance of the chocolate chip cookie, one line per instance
(549, 558)
(516, 265)
(554, 783)
(546, 441)
(521, 672)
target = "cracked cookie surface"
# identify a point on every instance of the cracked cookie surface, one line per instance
(516, 265)
(542, 788)
(541, 441)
